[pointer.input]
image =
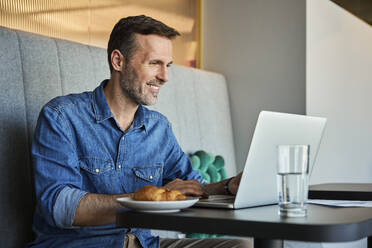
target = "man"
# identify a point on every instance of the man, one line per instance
(94, 147)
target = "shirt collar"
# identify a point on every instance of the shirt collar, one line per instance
(103, 112)
(101, 108)
(139, 118)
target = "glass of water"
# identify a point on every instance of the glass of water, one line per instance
(293, 179)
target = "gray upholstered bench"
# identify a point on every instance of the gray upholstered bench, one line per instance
(34, 69)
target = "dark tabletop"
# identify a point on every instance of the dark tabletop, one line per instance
(323, 224)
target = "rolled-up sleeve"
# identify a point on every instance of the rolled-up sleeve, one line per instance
(65, 206)
(56, 169)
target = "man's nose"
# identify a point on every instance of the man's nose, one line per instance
(163, 74)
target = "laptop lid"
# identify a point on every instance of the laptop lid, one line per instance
(258, 182)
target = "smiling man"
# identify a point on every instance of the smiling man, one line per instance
(94, 147)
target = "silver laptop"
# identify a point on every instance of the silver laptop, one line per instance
(258, 183)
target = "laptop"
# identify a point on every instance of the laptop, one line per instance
(258, 183)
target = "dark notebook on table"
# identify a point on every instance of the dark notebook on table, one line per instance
(341, 191)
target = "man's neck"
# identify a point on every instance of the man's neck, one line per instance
(123, 108)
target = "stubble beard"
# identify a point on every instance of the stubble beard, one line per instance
(132, 88)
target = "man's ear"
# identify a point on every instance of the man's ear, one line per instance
(117, 60)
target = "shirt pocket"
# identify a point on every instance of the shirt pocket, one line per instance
(97, 174)
(147, 175)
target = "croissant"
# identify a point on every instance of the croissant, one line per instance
(153, 193)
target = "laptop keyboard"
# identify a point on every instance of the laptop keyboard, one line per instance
(219, 198)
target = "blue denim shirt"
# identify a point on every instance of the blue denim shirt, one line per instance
(78, 148)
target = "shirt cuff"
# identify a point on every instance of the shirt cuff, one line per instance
(203, 181)
(65, 206)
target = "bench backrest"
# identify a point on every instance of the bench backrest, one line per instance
(35, 69)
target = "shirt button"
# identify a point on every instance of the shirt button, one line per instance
(150, 177)
(97, 170)
(119, 166)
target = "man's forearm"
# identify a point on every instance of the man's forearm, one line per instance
(216, 188)
(97, 209)
(227, 186)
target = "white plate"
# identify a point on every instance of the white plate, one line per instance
(157, 206)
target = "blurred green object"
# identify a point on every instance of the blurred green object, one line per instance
(219, 162)
(212, 169)
(210, 166)
(195, 160)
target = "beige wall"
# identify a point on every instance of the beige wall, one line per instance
(259, 45)
(91, 21)
(339, 86)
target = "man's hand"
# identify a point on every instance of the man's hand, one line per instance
(188, 187)
(195, 188)
(234, 183)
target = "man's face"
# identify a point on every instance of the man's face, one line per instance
(147, 71)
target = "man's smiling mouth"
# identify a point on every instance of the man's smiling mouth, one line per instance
(154, 86)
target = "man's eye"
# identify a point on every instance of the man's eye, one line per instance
(153, 62)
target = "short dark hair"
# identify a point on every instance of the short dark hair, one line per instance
(123, 34)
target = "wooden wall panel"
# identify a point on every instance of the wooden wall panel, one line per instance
(91, 21)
